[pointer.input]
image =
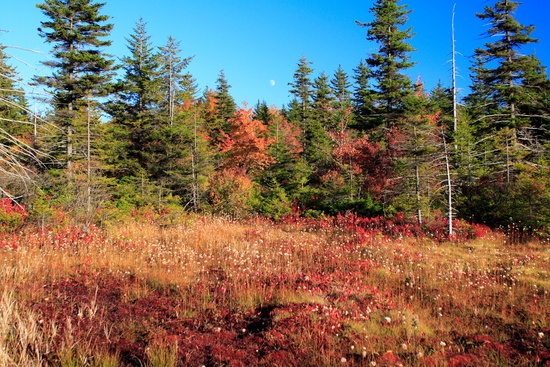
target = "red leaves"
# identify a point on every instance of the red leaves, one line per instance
(399, 226)
(365, 158)
(247, 142)
(12, 215)
(211, 104)
(285, 133)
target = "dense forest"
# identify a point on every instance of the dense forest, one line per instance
(137, 135)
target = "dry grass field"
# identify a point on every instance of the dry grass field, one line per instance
(214, 292)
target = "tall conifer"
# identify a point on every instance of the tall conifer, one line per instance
(301, 89)
(502, 70)
(226, 105)
(363, 98)
(76, 29)
(177, 85)
(392, 57)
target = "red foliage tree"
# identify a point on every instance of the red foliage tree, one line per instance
(366, 159)
(285, 133)
(247, 143)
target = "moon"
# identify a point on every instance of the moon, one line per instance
(272, 82)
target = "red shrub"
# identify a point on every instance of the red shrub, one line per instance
(12, 215)
(399, 226)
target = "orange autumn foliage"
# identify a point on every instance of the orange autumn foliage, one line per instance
(367, 159)
(247, 143)
(210, 104)
(285, 132)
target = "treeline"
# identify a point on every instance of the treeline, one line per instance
(139, 134)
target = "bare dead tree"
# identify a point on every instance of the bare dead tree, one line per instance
(453, 67)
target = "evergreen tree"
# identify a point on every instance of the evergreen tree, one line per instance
(363, 98)
(200, 166)
(317, 142)
(502, 70)
(342, 99)
(300, 107)
(13, 106)
(301, 89)
(226, 106)
(138, 136)
(441, 101)
(392, 57)
(218, 108)
(509, 105)
(322, 103)
(286, 150)
(81, 70)
(283, 180)
(262, 113)
(142, 79)
(341, 87)
(537, 100)
(177, 86)
(479, 101)
(290, 112)
(418, 157)
(136, 108)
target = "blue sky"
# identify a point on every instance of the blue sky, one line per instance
(259, 41)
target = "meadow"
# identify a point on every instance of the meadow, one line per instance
(210, 291)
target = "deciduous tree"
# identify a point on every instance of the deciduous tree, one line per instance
(247, 143)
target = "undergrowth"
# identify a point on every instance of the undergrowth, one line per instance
(216, 292)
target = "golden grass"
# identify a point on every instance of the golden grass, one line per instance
(408, 293)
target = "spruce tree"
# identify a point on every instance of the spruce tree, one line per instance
(317, 142)
(142, 78)
(502, 70)
(342, 99)
(363, 99)
(177, 86)
(418, 157)
(392, 58)
(137, 105)
(13, 106)
(261, 112)
(281, 182)
(219, 108)
(322, 102)
(136, 129)
(509, 107)
(341, 88)
(441, 101)
(226, 106)
(537, 100)
(76, 29)
(301, 89)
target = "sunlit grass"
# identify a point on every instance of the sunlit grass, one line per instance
(319, 292)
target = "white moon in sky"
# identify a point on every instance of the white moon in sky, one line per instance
(272, 82)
